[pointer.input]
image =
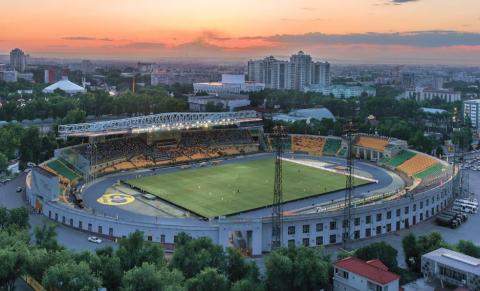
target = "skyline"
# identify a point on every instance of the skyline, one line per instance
(369, 31)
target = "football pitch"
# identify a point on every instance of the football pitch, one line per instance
(238, 187)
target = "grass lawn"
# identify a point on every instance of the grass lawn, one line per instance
(237, 187)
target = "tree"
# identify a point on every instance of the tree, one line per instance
(74, 116)
(147, 277)
(468, 248)
(279, 273)
(70, 276)
(13, 264)
(46, 237)
(111, 272)
(3, 162)
(133, 251)
(247, 285)
(237, 268)
(30, 146)
(379, 250)
(409, 243)
(193, 255)
(208, 279)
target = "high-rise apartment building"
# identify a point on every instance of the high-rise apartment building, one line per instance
(297, 73)
(471, 110)
(18, 60)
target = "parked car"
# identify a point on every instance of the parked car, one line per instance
(94, 239)
(19, 189)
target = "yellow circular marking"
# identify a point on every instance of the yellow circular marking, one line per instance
(115, 199)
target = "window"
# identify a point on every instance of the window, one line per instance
(89, 227)
(433, 211)
(291, 230)
(389, 214)
(56, 216)
(306, 228)
(306, 242)
(319, 227)
(345, 274)
(379, 230)
(368, 232)
(379, 216)
(389, 227)
(333, 239)
(426, 214)
(421, 216)
(333, 225)
(99, 229)
(356, 234)
(428, 202)
(345, 223)
(71, 222)
(149, 238)
(63, 219)
(421, 204)
(406, 210)
(398, 212)
(49, 214)
(291, 242)
(357, 221)
(162, 238)
(80, 224)
(414, 207)
(368, 219)
(110, 231)
(398, 225)
(319, 240)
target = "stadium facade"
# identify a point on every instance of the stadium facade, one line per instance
(64, 188)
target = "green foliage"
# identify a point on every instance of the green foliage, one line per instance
(15, 218)
(247, 285)
(468, 248)
(74, 116)
(46, 236)
(237, 268)
(149, 278)
(133, 251)
(208, 279)
(379, 250)
(292, 269)
(70, 276)
(193, 255)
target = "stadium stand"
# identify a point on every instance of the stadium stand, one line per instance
(310, 144)
(374, 143)
(434, 170)
(61, 168)
(332, 146)
(399, 159)
(417, 164)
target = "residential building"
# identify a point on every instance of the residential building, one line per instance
(452, 268)
(353, 274)
(145, 68)
(25, 76)
(422, 93)
(297, 73)
(342, 91)
(407, 80)
(9, 76)
(471, 109)
(230, 83)
(18, 60)
(228, 102)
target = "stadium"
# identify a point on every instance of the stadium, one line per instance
(212, 174)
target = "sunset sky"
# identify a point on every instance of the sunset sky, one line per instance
(360, 31)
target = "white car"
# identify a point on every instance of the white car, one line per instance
(94, 239)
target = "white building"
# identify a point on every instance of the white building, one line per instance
(297, 73)
(18, 60)
(230, 84)
(353, 274)
(471, 109)
(8, 76)
(342, 91)
(66, 86)
(227, 101)
(421, 94)
(452, 268)
(305, 114)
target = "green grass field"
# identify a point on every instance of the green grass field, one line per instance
(238, 187)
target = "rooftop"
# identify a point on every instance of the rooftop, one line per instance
(373, 270)
(455, 260)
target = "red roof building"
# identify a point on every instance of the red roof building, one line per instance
(354, 274)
